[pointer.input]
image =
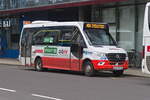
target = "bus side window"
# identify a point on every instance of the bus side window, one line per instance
(82, 42)
(65, 38)
(77, 45)
(66, 35)
(51, 37)
(37, 38)
(78, 39)
(46, 37)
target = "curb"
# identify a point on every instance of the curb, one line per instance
(136, 72)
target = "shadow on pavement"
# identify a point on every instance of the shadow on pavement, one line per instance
(101, 74)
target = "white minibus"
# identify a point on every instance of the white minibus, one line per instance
(76, 46)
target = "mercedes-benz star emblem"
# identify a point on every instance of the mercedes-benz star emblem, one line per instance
(117, 56)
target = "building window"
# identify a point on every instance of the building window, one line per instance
(127, 27)
(139, 33)
(109, 16)
(1, 4)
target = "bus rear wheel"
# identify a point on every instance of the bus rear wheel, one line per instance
(89, 69)
(118, 73)
(38, 64)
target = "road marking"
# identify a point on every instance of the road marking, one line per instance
(46, 97)
(9, 90)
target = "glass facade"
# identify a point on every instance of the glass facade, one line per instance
(127, 27)
(108, 16)
(9, 30)
(139, 30)
(125, 20)
(126, 24)
(13, 4)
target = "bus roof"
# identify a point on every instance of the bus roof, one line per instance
(54, 23)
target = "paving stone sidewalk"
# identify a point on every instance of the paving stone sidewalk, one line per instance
(10, 61)
(136, 72)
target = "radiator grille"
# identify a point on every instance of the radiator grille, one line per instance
(116, 57)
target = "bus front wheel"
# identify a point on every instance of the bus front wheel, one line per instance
(38, 64)
(89, 69)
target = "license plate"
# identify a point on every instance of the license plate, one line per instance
(118, 68)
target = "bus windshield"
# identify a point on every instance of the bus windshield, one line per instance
(99, 37)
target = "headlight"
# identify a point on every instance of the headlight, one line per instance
(101, 63)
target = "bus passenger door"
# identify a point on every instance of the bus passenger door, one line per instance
(76, 52)
(26, 43)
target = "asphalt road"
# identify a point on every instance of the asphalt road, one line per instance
(19, 83)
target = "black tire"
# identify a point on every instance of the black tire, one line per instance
(88, 69)
(38, 64)
(118, 73)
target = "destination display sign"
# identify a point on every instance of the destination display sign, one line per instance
(94, 26)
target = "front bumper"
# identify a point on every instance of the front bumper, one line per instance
(108, 65)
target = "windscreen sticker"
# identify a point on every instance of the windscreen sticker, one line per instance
(48, 40)
(50, 50)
